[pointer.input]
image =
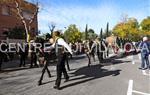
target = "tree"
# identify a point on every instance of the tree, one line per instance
(86, 32)
(91, 34)
(145, 27)
(145, 24)
(101, 34)
(72, 33)
(17, 8)
(16, 33)
(51, 28)
(127, 29)
(107, 30)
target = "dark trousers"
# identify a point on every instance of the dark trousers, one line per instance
(92, 55)
(33, 59)
(22, 60)
(89, 59)
(61, 69)
(67, 63)
(45, 68)
(1, 63)
(100, 56)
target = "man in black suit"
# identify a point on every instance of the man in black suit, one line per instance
(60, 45)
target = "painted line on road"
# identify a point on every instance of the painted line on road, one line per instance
(131, 58)
(145, 74)
(142, 93)
(130, 87)
(133, 62)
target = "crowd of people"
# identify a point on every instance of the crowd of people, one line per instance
(59, 51)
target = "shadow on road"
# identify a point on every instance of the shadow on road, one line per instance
(14, 69)
(113, 62)
(91, 73)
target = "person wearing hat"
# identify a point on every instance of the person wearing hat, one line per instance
(144, 47)
(61, 50)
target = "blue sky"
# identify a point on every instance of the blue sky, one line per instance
(95, 13)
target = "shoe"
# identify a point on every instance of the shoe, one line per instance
(146, 68)
(49, 75)
(141, 68)
(39, 83)
(31, 66)
(101, 65)
(56, 87)
(67, 79)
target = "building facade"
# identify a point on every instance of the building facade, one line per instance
(9, 18)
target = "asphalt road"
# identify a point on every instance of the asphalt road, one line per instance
(119, 76)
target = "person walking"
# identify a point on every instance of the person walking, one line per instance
(23, 53)
(1, 60)
(43, 58)
(33, 55)
(61, 50)
(144, 47)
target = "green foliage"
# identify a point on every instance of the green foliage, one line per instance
(107, 30)
(88, 34)
(132, 29)
(127, 29)
(101, 34)
(72, 33)
(145, 24)
(16, 33)
(91, 34)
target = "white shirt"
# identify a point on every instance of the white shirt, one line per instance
(61, 42)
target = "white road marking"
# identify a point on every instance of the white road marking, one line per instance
(131, 58)
(145, 74)
(130, 87)
(133, 62)
(142, 93)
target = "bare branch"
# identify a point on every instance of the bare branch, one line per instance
(19, 11)
(35, 14)
(52, 27)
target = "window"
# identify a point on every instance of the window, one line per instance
(27, 15)
(6, 10)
